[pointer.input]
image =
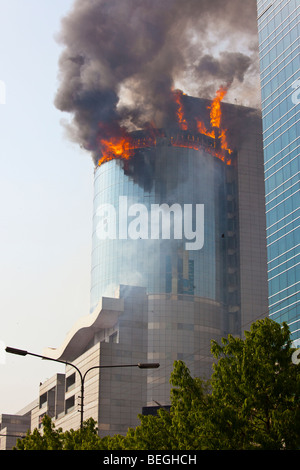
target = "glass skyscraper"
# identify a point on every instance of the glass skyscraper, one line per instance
(166, 263)
(279, 40)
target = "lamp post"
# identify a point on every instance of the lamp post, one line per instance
(21, 352)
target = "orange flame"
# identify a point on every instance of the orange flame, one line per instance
(223, 139)
(180, 113)
(215, 108)
(215, 121)
(215, 118)
(116, 147)
(122, 146)
(202, 129)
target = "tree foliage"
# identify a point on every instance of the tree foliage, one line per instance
(256, 389)
(252, 401)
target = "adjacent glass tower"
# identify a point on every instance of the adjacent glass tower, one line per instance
(279, 41)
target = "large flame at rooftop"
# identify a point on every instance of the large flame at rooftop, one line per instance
(119, 143)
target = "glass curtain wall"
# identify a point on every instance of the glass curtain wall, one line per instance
(162, 175)
(279, 41)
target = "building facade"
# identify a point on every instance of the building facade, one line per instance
(279, 41)
(173, 209)
(178, 259)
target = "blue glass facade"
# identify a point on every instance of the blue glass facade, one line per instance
(177, 177)
(279, 40)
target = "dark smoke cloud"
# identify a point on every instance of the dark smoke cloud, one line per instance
(121, 59)
(227, 67)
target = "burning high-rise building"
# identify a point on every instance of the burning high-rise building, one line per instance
(178, 257)
(157, 202)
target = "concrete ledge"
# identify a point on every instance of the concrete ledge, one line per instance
(104, 316)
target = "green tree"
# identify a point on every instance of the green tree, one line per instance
(256, 390)
(82, 439)
(190, 404)
(177, 429)
(51, 439)
(251, 402)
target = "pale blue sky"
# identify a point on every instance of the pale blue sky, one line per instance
(46, 196)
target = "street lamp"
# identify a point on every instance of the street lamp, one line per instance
(22, 352)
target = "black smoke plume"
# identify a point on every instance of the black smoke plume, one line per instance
(122, 58)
